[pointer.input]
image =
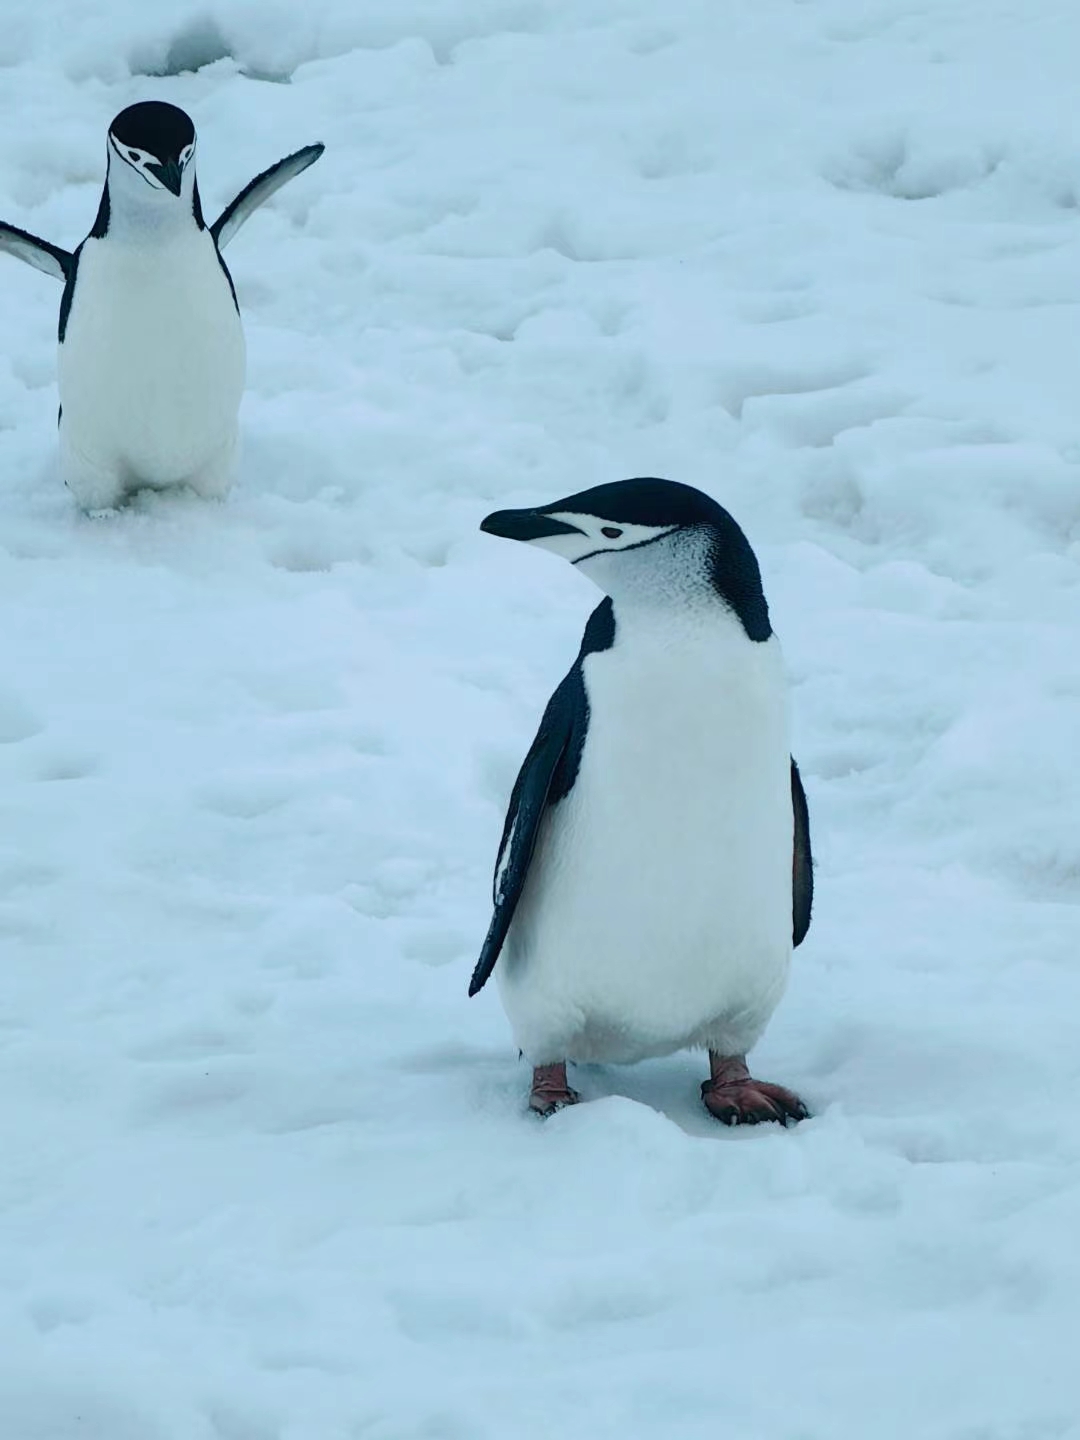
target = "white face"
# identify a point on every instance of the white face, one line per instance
(598, 536)
(140, 160)
(641, 565)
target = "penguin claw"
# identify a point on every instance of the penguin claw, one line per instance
(550, 1091)
(743, 1101)
(545, 1104)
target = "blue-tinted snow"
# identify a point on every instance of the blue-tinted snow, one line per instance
(265, 1172)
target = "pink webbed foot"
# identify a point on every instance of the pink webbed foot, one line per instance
(550, 1091)
(736, 1099)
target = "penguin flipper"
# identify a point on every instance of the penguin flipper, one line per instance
(256, 192)
(35, 251)
(528, 802)
(802, 864)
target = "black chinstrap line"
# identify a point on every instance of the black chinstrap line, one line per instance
(625, 549)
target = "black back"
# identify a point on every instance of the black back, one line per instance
(546, 776)
(69, 284)
(802, 862)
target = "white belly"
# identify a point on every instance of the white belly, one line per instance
(657, 913)
(151, 370)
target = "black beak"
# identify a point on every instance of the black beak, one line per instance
(170, 174)
(525, 525)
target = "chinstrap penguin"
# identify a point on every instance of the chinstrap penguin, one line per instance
(151, 348)
(655, 868)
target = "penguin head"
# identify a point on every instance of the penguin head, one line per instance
(152, 153)
(648, 541)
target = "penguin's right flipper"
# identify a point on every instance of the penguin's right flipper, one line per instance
(802, 862)
(39, 253)
(256, 192)
(528, 802)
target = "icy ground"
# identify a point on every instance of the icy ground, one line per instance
(265, 1172)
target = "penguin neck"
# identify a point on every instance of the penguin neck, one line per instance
(147, 218)
(672, 623)
(676, 583)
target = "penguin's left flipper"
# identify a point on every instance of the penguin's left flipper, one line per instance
(528, 801)
(35, 251)
(256, 192)
(802, 862)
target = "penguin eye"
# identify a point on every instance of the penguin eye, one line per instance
(133, 154)
(611, 531)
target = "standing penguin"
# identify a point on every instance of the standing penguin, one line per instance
(655, 869)
(151, 364)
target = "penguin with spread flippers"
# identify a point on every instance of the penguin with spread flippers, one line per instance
(151, 357)
(655, 868)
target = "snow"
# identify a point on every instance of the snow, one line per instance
(266, 1172)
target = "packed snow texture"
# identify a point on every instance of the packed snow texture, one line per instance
(267, 1174)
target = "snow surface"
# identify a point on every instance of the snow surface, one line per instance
(266, 1173)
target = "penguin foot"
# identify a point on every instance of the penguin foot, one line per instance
(550, 1090)
(736, 1099)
